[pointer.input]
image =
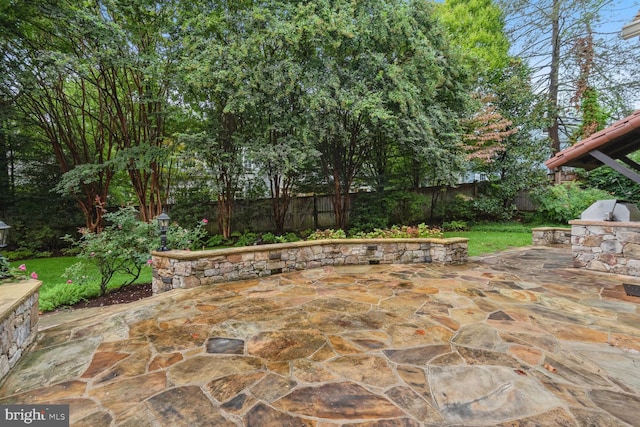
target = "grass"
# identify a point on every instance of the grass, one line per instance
(495, 237)
(56, 292)
(486, 242)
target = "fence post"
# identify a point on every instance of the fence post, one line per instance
(315, 212)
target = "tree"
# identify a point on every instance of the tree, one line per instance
(90, 77)
(477, 27)
(387, 78)
(279, 121)
(544, 33)
(213, 79)
(505, 147)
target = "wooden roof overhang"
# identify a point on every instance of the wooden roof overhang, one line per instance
(605, 147)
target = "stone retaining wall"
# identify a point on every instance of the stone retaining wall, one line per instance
(546, 236)
(607, 246)
(18, 321)
(185, 269)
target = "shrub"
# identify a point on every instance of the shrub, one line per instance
(268, 238)
(215, 240)
(247, 239)
(14, 273)
(327, 234)
(288, 238)
(564, 202)
(124, 246)
(380, 210)
(455, 226)
(394, 232)
(65, 294)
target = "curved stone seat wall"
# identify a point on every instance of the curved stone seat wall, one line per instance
(18, 321)
(607, 246)
(188, 269)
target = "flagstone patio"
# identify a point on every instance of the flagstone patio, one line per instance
(513, 339)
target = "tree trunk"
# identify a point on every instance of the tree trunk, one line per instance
(552, 107)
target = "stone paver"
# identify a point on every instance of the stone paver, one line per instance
(512, 339)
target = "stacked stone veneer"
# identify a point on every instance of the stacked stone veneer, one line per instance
(607, 246)
(18, 321)
(185, 269)
(547, 236)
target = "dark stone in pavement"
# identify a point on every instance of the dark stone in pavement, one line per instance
(225, 346)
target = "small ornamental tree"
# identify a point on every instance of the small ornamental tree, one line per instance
(125, 246)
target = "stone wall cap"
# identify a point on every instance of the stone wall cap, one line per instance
(13, 294)
(628, 224)
(551, 229)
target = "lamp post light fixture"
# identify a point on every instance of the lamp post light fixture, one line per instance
(4, 231)
(163, 224)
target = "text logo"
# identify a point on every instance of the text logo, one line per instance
(34, 415)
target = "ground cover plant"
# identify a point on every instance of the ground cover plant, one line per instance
(59, 290)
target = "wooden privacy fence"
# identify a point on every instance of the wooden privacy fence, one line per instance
(316, 211)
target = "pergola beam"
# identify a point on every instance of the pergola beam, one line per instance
(632, 175)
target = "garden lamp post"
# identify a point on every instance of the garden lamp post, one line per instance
(163, 224)
(4, 231)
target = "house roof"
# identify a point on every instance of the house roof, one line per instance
(632, 29)
(616, 141)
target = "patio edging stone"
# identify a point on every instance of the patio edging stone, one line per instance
(188, 269)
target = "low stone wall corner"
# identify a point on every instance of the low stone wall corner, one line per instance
(606, 246)
(18, 321)
(548, 236)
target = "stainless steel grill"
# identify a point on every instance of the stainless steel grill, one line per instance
(611, 210)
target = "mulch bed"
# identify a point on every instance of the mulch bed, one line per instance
(119, 296)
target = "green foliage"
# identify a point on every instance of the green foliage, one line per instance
(327, 234)
(455, 226)
(477, 26)
(191, 204)
(216, 240)
(65, 294)
(564, 202)
(393, 232)
(268, 238)
(4, 267)
(502, 227)
(55, 273)
(11, 273)
(383, 209)
(370, 211)
(247, 239)
(124, 246)
(400, 232)
(288, 238)
(182, 238)
(608, 179)
(594, 116)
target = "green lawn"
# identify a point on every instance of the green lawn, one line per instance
(486, 242)
(56, 292)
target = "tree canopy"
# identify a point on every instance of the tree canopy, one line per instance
(333, 95)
